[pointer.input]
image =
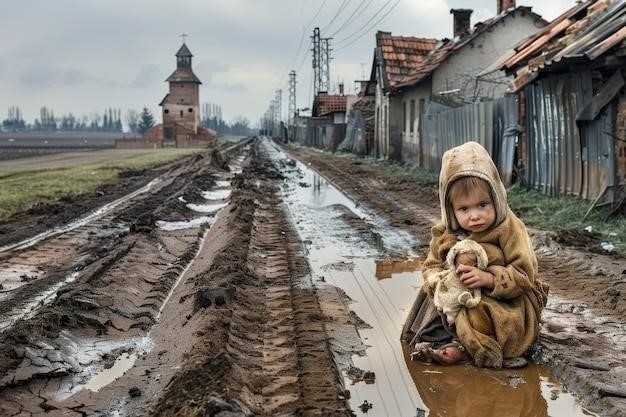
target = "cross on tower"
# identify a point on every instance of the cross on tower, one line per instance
(183, 35)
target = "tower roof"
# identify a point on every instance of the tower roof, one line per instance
(184, 51)
(183, 72)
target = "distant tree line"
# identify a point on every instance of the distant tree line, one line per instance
(111, 121)
(212, 119)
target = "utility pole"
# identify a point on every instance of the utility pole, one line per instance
(317, 68)
(292, 98)
(325, 67)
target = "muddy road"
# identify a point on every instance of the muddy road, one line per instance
(267, 281)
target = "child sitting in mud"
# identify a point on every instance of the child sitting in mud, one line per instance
(503, 326)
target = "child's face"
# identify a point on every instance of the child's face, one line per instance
(474, 212)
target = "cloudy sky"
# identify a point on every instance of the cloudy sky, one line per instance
(84, 56)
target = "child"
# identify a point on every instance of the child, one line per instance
(503, 326)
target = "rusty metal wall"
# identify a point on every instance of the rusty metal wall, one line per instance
(494, 124)
(566, 158)
(598, 149)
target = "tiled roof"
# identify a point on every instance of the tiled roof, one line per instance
(429, 65)
(325, 104)
(183, 75)
(401, 54)
(447, 47)
(583, 33)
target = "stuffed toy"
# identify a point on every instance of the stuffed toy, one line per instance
(449, 293)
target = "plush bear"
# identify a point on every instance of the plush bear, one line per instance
(449, 293)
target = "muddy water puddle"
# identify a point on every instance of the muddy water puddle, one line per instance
(381, 282)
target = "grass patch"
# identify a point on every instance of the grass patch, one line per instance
(566, 213)
(20, 190)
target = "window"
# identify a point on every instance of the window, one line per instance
(166, 111)
(412, 118)
(190, 110)
(181, 113)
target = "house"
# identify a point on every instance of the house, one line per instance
(394, 58)
(326, 127)
(181, 109)
(452, 74)
(569, 78)
(359, 137)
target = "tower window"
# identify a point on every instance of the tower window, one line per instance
(181, 113)
(190, 110)
(166, 111)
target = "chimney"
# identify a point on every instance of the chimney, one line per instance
(462, 21)
(504, 5)
(341, 89)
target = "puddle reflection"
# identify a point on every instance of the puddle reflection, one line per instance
(465, 391)
(386, 267)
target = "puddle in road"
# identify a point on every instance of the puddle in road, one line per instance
(102, 361)
(122, 364)
(183, 224)
(527, 392)
(216, 194)
(13, 276)
(381, 291)
(33, 305)
(207, 208)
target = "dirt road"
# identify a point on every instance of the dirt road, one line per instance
(242, 283)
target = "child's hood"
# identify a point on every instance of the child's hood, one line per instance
(470, 159)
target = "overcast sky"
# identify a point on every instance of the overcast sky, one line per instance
(84, 56)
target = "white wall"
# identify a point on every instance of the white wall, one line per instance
(460, 69)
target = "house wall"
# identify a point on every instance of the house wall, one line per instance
(411, 123)
(182, 106)
(460, 70)
(395, 128)
(381, 126)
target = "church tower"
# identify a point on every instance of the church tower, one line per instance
(181, 106)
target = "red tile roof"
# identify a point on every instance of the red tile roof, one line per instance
(325, 104)
(401, 54)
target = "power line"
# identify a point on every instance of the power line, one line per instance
(299, 49)
(342, 6)
(352, 17)
(366, 31)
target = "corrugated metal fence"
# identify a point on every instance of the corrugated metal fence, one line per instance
(566, 156)
(493, 124)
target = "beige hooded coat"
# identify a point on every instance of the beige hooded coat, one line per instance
(506, 322)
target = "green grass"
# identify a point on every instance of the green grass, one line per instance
(22, 189)
(567, 213)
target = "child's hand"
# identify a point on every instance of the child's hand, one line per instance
(473, 277)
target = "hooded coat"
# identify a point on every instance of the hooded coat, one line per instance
(506, 322)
